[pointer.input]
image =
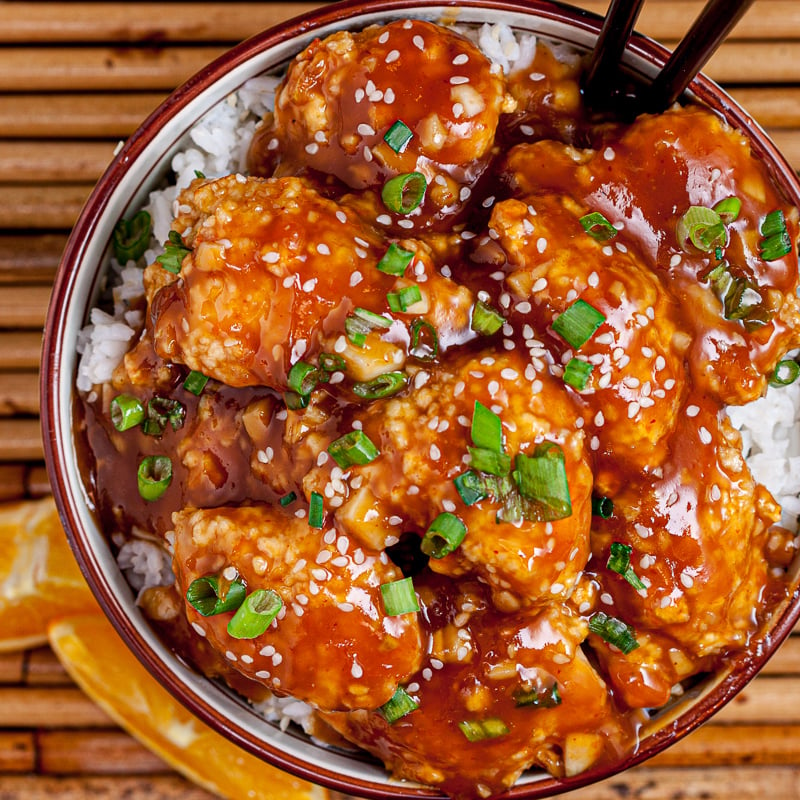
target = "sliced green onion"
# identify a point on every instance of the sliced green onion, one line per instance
(207, 597)
(288, 499)
(728, 209)
(162, 411)
(443, 536)
(361, 322)
(383, 386)
(403, 193)
(195, 382)
(542, 482)
(703, 227)
(400, 704)
(399, 597)
(255, 614)
(786, 372)
(470, 487)
(127, 412)
(295, 401)
(154, 476)
(398, 136)
(598, 227)
(486, 429)
(602, 507)
(200, 175)
(490, 461)
(775, 241)
(613, 631)
(132, 237)
(478, 730)
(548, 698)
(303, 377)
(740, 298)
(619, 561)
(174, 253)
(395, 260)
(424, 340)
(577, 372)
(316, 510)
(485, 320)
(353, 448)
(401, 301)
(578, 323)
(331, 362)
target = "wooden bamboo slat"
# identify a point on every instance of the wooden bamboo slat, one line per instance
(46, 162)
(57, 707)
(27, 259)
(19, 393)
(43, 207)
(17, 751)
(20, 440)
(23, 306)
(20, 350)
(232, 22)
(130, 787)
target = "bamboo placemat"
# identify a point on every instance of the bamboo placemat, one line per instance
(75, 78)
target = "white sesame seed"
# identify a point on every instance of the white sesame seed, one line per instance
(539, 285)
(633, 409)
(360, 94)
(599, 419)
(509, 374)
(383, 219)
(418, 42)
(405, 223)
(607, 599)
(231, 656)
(312, 148)
(641, 530)
(365, 130)
(323, 557)
(494, 388)
(459, 80)
(262, 674)
(448, 505)
(392, 56)
(608, 154)
(524, 307)
(705, 435)
(461, 58)
(309, 285)
(276, 659)
(389, 96)
(383, 38)
(346, 607)
(356, 670)
(199, 629)
(594, 443)
(716, 493)
(692, 411)
(435, 453)
(687, 580)
(541, 244)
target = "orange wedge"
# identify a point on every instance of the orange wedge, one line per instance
(123, 688)
(39, 579)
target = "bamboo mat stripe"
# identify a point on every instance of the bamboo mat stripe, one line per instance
(78, 77)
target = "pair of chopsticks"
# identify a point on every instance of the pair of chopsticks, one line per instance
(714, 23)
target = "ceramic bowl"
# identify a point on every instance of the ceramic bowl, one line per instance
(139, 166)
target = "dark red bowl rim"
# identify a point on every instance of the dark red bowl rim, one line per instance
(741, 669)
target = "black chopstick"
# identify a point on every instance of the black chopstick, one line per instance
(714, 23)
(602, 74)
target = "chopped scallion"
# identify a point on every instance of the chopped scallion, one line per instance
(613, 631)
(602, 507)
(703, 227)
(162, 411)
(403, 299)
(400, 704)
(288, 499)
(535, 698)
(127, 412)
(478, 730)
(443, 536)
(399, 597)
(331, 362)
(208, 598)
(395, 260)
(577, 372)
(195, 382)
(775, 241)
(470, 487)
(542, 482)
(485, 320)
(398, 136)
(424, 340)
(578, 323)
(485, 460)
(403, 193)
(316, 510)
(383, 386)
(295, 401)
(174, 253)
(598, 227)
(619, 561)
(255, 614)
(486, 429)
(303, 377)
(154, 476)
(361, 322)
(352, 449)
(131, 238)
(786, 372)
(728, 209)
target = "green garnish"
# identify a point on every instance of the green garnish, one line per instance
(288, 499)
(786, 372)
(361, 322)
(703, 227)
(775, 242)
(471, 487)
(207, 598)
(619, 561)
(162, 411)
(127, 412)
(154, 476)
(352, 449)
(443, 536)
(613, 631)
(576, 373)
(174, 253)
(195, 382)
(578, 323)
(255, 614)
(728, 209)
(598, 227)
(304, 377)
(395, 260)
(403, 193)
(316, 510)
(485, 320)
(331, 362)
(542, 482)
(400, 704)
(602, 507)
(131, 238)
(383, 386)
(486, 429)
(402, 300)
(547, 698)
(424, 340)
(398, 136)
(478, 730)
(399, 597)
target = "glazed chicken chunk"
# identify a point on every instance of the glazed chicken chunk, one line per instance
(331, 644)
(264, 263)
(430, 86)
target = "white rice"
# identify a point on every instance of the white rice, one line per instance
(217, 146)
